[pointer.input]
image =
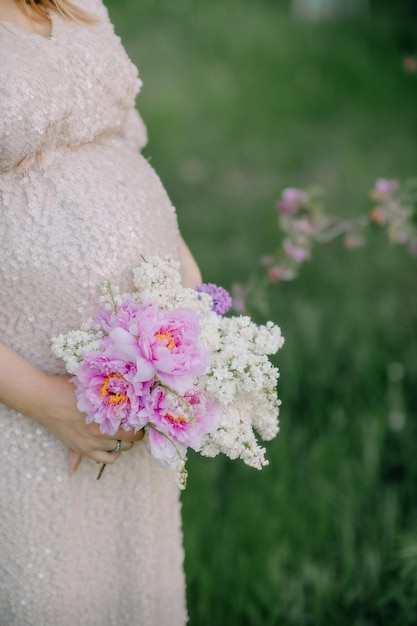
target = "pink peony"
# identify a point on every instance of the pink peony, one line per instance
(165, 452)
(163, 344)
(184, 419)
(127, 312)
(108, 393)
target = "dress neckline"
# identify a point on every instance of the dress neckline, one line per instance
(52, 15)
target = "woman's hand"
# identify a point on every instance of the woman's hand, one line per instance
(62, 418)
(51, 401)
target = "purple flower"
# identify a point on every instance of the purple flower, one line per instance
(222, 301)
(107, 392)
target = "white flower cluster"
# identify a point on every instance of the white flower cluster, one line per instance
(240, 376)
(73, 345)
(244, 381)
(159, 281)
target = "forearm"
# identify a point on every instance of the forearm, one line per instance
(191, 275)
(22, 385)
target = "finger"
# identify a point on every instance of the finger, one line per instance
(112, 444)
(139, 434)
(127, 435)
(101, 456)
(123, 435)
(74, 459)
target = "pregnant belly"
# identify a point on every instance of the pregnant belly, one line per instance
(89, 216)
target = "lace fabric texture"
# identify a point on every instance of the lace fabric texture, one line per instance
(78, 205)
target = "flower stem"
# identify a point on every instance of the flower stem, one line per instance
(177, 450)
(110, 292)
(180, 399)
(101, 471)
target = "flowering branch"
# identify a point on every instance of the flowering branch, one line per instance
(304, 223)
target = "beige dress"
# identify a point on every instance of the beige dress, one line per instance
(78, 205)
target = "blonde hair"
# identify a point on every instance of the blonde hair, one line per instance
(63, 7)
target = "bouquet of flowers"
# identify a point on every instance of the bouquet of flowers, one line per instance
(165, 358)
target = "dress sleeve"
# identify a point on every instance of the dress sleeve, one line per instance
(134, 130)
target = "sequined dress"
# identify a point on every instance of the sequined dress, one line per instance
(78, 204)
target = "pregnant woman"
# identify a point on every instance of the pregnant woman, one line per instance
(78, 205)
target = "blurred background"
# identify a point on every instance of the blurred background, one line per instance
(241, 99)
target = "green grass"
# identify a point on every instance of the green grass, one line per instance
(241, 101)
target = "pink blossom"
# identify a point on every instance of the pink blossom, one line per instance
(239, 294)
(410, 64)
(397, 235)
(353, 240)
(296, 253)
(304, 226)
(267, 260)
(165, 344)
(184, 419)
(278, 273)
(383, 188)
(107, 392)
(292, 199)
